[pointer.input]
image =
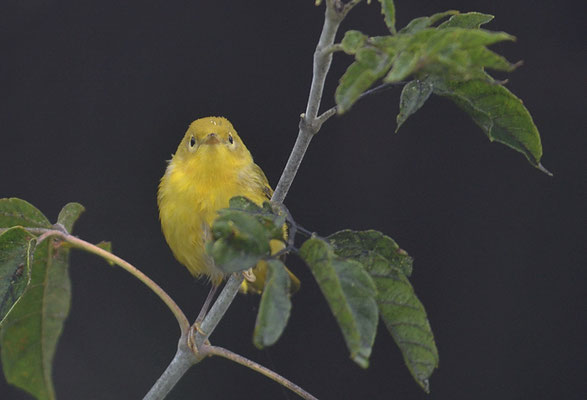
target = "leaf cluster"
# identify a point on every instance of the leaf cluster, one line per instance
(35, 293)
(449, 59)
(363, 276)
(241, 234)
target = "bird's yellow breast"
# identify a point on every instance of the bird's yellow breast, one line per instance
(190, 194)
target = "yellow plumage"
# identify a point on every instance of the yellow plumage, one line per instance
(211, 165)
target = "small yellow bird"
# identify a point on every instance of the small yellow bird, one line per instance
(211, 165)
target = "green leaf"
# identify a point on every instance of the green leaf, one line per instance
(353, 41)
(240, 241)
(69, 214)
(29, 334)
(417, 24)
(353, 83)
(371, 65)
(414, 95)
(500, 114)
(350, 293)
(388, 11)
(15, 212)
(453, 52)
(275, 305)
(405, 64)
(371, 247)
(418, 50)
(485, 58)
(470, 20)
(406, 320)
(372, 58)
(401, 311)
(243, 204)
(272, 220)
(242, 232)
(16, 251)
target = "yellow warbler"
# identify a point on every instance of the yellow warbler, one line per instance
(211, 165)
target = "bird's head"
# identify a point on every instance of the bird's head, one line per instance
(212, 138)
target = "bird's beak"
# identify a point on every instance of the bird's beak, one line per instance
(212, 138)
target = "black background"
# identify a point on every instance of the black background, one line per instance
(96, 96)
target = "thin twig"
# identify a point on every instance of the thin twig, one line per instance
(378, 89)
(305, 231)
(222, 352)
(381, 88)
(308, 124)
(289, 247)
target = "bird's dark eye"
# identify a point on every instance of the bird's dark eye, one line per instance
(192, 141)
(230, 139)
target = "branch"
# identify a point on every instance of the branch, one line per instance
(182, 361)
(219, 351)
(309, 126)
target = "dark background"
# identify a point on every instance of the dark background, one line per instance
(96, 96)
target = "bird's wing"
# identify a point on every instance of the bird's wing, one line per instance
(262, 182)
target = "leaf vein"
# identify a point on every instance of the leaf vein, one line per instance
(398, 304)
(416, 344)
(421, 327)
